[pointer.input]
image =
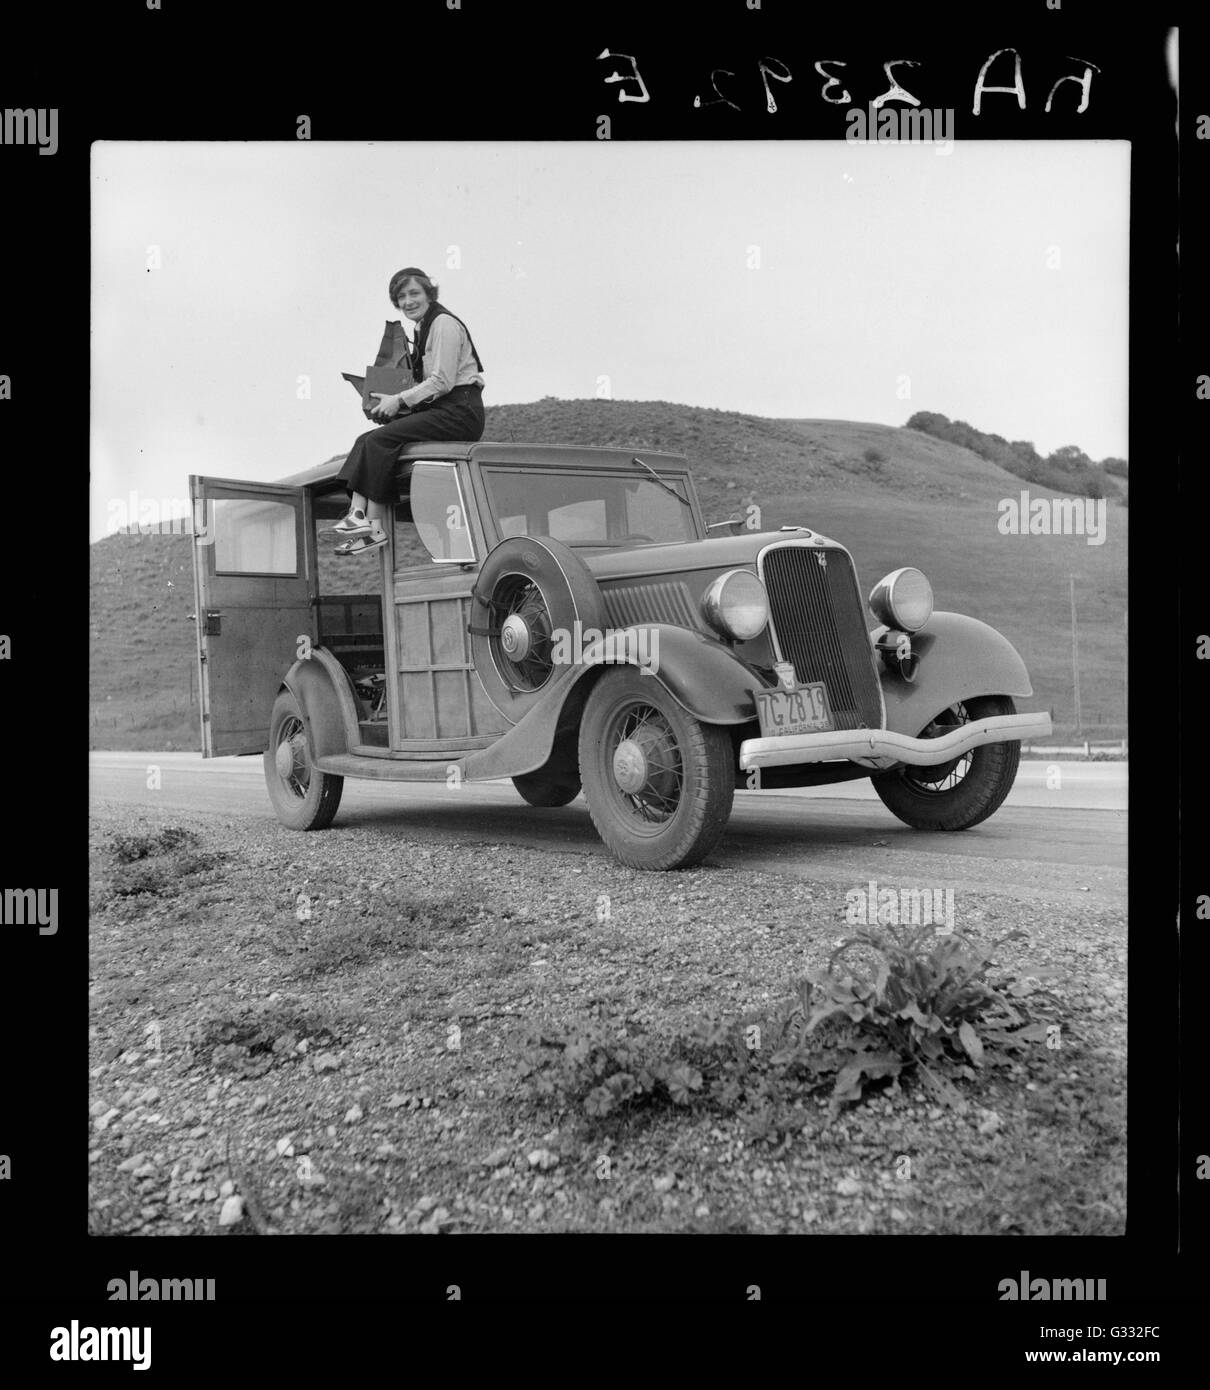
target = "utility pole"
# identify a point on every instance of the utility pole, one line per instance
(1075, 655)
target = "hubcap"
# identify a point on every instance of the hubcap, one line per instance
(630, 766)
(521, 645)
(646, 765)
(290, 758)
(515, 637)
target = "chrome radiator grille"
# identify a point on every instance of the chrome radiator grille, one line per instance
(818, 623)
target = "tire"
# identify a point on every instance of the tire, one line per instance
(538, 587)
(303, 798)
(963, 791)
(539, 791)
(680, 773)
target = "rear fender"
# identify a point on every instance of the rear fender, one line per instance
(325, 695)
(960, 658)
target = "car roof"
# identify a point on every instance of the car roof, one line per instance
(490, 451)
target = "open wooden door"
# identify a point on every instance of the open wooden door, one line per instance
(253, 582)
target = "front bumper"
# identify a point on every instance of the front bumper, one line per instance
(880, 748)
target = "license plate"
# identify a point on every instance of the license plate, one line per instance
(803, 710)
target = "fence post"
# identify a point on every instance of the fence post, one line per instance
(1075, 655)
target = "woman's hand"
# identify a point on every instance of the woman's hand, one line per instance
(388, 406)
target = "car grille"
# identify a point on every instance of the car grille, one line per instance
(816, 616)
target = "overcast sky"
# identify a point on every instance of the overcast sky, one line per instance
(786, 279)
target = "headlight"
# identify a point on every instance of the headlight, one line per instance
(904, 599)
(736, 605)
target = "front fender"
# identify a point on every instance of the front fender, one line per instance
(704, 677)
(960, 657)
(707, 679)
(324, 692)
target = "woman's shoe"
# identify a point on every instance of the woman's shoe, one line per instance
(362, 544)
(355, 524)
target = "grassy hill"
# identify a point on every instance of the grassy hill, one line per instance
(142, 646)
(892, 496)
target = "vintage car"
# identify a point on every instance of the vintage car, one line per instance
(564, 617)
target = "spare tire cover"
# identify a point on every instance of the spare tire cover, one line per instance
(529, 589)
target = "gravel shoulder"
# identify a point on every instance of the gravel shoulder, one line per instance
(323, 1033)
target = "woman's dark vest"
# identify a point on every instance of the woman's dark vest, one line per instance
(394, 350)
(422, 337)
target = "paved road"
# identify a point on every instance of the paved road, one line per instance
(1045, 842)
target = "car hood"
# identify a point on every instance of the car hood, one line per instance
(718, 552)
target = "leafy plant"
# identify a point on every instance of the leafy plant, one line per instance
(914, 1005)
(128, 848)
(606, 1065)
(253, 1037)
(906, 1002)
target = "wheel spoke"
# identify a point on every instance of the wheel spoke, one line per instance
(918, 776)
(298, 779)
(521, 598)
(660, 796)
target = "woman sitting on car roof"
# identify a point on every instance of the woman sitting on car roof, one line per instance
(445, 403)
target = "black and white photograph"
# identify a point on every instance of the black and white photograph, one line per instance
(625, 726)
(609, 702)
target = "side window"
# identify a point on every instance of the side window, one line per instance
(254, 536)
(439, 513)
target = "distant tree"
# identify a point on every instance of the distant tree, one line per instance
(1071, 456)
(1119, 468)
(927, 422)
(1067, 469)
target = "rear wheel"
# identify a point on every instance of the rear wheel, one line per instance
(963, 791)
(659, 783)
(303, 798)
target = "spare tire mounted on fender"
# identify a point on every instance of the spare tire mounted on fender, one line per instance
(530, 590)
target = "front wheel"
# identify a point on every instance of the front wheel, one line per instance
(957, 794)
(303, 798)
(659, 783)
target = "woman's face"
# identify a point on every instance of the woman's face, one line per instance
(413, 300)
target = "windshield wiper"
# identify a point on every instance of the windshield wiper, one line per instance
(680, 497)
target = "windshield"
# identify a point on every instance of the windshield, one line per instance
(590, 509)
